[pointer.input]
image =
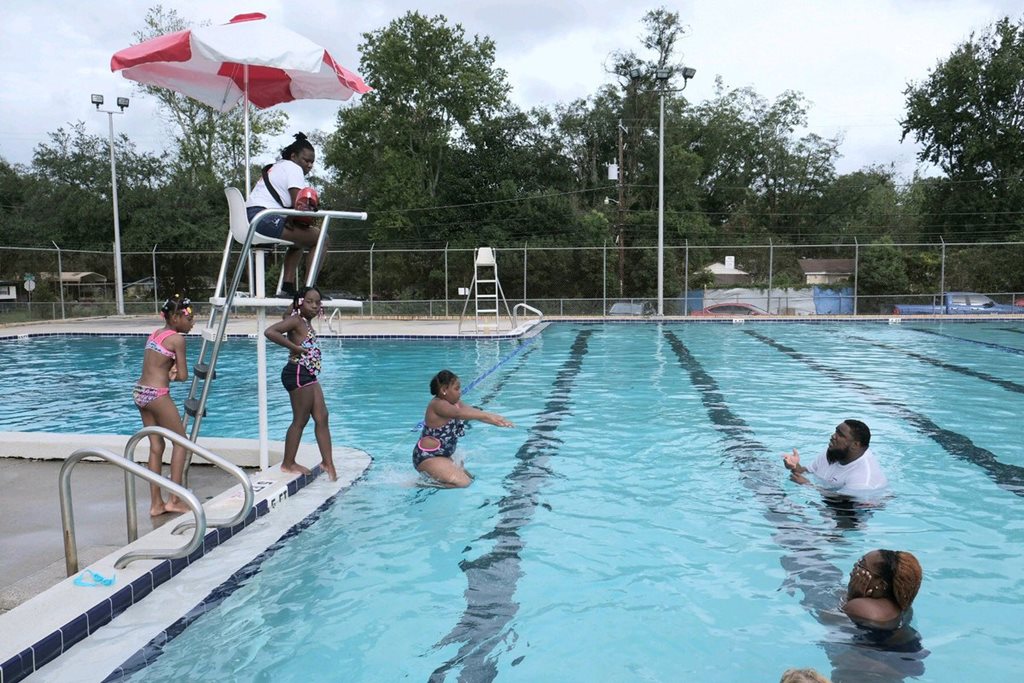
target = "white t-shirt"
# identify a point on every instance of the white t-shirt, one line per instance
(284, 175)
(863, 474)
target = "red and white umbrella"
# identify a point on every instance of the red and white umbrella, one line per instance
(249, 59)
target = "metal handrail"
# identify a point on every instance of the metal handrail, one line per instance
(218, 460)
(526, 307)
(330, 321)
(68, 518)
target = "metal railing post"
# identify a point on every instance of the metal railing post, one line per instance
(156, 294)
(371, 278)
(942, 271)
(60, 279)
(446, 279)
(856, 271)
(131, 468)
(604, 278)
(524, 272)
(686, 279)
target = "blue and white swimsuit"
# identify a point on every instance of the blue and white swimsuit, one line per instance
(447, 436)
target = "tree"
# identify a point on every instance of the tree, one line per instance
(882, 271)
(434, 89)
(969, 116)
(758, 178)
(867, 204)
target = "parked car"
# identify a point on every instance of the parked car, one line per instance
(630, 308)
(730, 309)
(962, 303)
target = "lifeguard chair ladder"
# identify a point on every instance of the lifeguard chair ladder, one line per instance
(486, 292)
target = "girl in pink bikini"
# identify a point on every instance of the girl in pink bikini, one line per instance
(163, 361)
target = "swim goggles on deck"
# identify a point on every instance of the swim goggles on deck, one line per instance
(91, 578)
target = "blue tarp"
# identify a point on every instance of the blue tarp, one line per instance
(833, 301)
(696, 302)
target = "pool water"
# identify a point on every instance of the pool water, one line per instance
(637, 524)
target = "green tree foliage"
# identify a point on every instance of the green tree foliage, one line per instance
(969, 116)
(865, 204)
(882, 270)
(435, 91)
(758, 178)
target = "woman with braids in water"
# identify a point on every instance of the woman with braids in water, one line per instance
(883, 585)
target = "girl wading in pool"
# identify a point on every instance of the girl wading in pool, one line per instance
(443, 424)
(163, 361)
(296, 334)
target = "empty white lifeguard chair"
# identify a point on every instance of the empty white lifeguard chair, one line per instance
(486, 293)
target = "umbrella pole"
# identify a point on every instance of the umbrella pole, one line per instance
(245, 119)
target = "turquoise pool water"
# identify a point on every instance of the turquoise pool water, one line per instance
(637, 524)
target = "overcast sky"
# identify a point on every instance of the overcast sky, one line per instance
(852, 59)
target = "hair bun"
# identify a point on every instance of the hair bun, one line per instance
(300, 136)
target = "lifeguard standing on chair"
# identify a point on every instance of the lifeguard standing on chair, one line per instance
(283, 185)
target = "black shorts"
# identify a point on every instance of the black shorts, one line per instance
(295, 376)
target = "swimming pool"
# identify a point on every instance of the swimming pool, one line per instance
(638, 524)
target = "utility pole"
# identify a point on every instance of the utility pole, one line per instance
(621, 205)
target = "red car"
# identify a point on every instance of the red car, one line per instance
(730, 310)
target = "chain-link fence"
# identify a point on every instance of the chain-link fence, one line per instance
(570, 281)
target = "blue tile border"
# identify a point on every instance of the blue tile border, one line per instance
(13, 669)
(48, 648)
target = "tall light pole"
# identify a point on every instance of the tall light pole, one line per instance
(122, 103)
(662, 74)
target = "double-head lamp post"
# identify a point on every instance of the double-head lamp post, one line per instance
(122, 104)
(662, 74)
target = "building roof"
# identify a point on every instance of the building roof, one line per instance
(75, 276)
(827, 266)
(722, 269)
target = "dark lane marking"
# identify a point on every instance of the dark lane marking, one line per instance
(1007, 477)
(1004, 383)
(492, 577)
(740, 445)
(991, 345)
(1015, 330)
(806, 560)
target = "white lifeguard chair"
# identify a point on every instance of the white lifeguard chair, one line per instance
(485, 290)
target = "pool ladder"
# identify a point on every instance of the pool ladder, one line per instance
(133, 469)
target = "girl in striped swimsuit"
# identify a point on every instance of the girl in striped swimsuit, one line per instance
(299, 378)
